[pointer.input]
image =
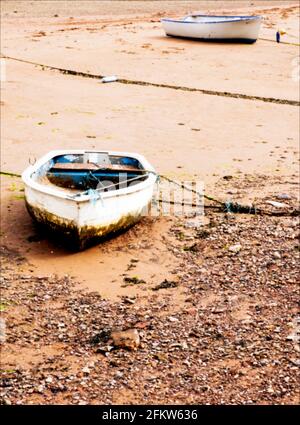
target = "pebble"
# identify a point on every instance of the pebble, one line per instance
(173, 319)
(201, 349)
(86, 370)
(40, 389)
(235, 248)
(276, 204)
(283, 196)
(128, 339)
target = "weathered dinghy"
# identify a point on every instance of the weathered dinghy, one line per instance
(83, 196)
(215, 28)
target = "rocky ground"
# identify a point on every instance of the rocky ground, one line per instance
(231, 339)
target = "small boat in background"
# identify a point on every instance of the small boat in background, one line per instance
(82, 196)
(244, 29)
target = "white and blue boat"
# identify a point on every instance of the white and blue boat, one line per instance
(82, 196)
(243, 29)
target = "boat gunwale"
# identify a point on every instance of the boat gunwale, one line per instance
(28, 180)
(241, 18)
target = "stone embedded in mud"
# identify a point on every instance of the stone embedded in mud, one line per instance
(128, 339)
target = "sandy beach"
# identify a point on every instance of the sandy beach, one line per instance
(214, 321)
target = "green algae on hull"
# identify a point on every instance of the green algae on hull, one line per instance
(78, 238)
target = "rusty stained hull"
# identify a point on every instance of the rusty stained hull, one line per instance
(77, 237)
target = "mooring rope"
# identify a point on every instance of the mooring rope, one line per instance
(160, 85)
(281, 42)
(227, 207)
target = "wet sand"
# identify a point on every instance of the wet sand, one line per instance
(186, 135)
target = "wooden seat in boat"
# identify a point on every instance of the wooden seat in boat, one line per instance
(73, 166)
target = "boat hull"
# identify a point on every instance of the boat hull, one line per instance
(243, 31)
(77, 237)
(80, 223)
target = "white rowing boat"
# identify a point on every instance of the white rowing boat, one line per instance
(215, 28)
(83, 196)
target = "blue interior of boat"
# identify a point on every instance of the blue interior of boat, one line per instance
(79, 158)
(75, 172)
